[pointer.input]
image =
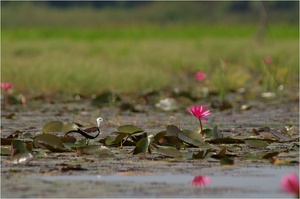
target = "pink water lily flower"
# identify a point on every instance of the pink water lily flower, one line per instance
(200, 181)
(268, 60)
(199, 112)
(290, 183)
(6, 85)
(200, 76)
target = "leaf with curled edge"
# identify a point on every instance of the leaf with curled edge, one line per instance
(141, 146)
(191, 137)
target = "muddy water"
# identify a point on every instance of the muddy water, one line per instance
(71, 175)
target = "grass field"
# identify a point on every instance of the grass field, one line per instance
(146, 56)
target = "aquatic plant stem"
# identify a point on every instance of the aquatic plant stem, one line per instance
(200, 126)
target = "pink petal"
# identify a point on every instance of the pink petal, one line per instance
(290, 183)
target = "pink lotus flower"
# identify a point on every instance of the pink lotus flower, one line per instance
(199, 112)
(201, 181)
(6, 86)
(200, 76)
(290, 183)
(268, 60)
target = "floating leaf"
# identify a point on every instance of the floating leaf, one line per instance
(5, 151)
(173, 130)
(50, 142)
(168, 151)
(221, 154)
(55, 126)
(130, 129)
(226, 161)
(17, 146)
(227, 140)
(40, 154)
(22, 158)
(68, 127)
(191, 138)
(98, 150)
(141, 146)
(157, 137)
(270, 155)
(256, 143)
(53, 148)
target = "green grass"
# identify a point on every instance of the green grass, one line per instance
(90, 61)
(85, 50)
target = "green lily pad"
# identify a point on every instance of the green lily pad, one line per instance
(98, 150)
(226, 161)
(173, 130)
(156, 138)
(191, 137)
(130, 129)
(5, 151)
(17, 146)
(50, 142)
(227, 140)
(256, 143)
(68, 126)
(55, 126)
(141, 146)
(168, 151)
(270, 155)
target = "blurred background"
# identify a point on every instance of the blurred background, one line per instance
(87, 47)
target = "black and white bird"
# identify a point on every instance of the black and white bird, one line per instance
(87, 132)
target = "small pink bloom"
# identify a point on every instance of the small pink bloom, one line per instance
(290, 183)
(200, 76)
(200, 112)
(6, 85)
(268, 60)
(201, 181)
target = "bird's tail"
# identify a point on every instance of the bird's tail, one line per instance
(84, 134)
